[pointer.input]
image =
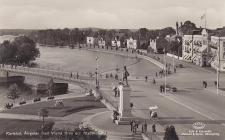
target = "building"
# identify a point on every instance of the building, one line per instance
(202, 54)
(217, 46)
(158, 44)
(119, 40)
(100, 41)
(91, 38)
(132, 43)
(192, 42)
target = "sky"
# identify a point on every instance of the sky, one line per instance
(109, 14)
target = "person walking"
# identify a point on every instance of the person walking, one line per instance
(156, 74)
(77, 75)
(153, 128)
(205, 84)
(134, 127)
(131, 125)
(115, 90)
(146, 78)
(71, 75)
(144, 127)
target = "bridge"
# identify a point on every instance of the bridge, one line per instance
(38, 75)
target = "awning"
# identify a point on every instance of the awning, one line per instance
(153, 107)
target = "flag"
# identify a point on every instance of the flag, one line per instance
(202, 17)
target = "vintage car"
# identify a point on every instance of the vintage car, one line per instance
(170, 87)
(179, 65)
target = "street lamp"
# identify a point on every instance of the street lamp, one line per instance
(165, 68)
(96, 71)
(218, 68)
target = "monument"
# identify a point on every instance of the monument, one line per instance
(124, 106)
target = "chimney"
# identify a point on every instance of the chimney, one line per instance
(176, 28)
(180, 23)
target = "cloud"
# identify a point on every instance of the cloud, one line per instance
(39, 14)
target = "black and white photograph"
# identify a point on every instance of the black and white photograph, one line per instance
(112, 70)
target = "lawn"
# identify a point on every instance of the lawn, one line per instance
(71, 106)
(10, 126)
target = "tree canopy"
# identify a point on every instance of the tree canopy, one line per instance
(170, 133)
(22, 49)
(13, 92)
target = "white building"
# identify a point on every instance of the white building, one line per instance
(132, 43)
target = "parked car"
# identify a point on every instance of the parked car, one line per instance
(170, 88)
(179, 65)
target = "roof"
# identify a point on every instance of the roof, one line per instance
(93, 34)
(119, 36)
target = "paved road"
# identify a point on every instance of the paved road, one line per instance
(189, 105)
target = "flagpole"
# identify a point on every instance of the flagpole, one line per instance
(205, 19)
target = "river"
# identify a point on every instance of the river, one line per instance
(83, 62)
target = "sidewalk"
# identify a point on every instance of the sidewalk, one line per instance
(214, 90)
(103, 122)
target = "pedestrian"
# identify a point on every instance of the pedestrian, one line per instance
(175, 70)
(115, 90)
(153, 128)
(131, 125)
(134, 127)
(163, 89)
(146, 78)
(71, 75)
(156, 74)
(144, 127)
(77, 75)
(153, 80)
(160, 89)
(205, 84)
(150, 113)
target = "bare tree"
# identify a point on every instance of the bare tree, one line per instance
(43, 112)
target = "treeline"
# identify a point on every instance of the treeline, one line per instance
(61, 37)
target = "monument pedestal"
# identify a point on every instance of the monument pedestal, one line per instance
(124, 108)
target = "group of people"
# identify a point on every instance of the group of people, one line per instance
(8, 106)
(134, 126)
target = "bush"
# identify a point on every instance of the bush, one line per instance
(170, 133)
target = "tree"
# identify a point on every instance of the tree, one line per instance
(167, 31)
(43, 112)
(144, 32)
(7, 52)
(13, 92)
(51, 87)
(170, 133)
(22, 49)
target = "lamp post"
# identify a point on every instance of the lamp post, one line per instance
(96, 71)
(165, 67)
(218, 68)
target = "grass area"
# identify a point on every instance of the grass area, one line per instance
(71, 106)
(9, 126)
